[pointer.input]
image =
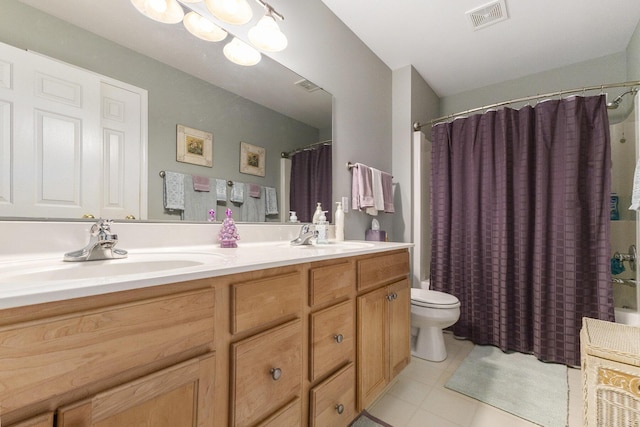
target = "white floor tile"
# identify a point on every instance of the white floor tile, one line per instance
(393, 410)
(409, 390)
(451, 406)
(488, 416)
(424, 418)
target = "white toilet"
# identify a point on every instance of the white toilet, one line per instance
(431, 312)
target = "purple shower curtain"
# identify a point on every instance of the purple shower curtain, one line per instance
(520, 224)
(311, 179)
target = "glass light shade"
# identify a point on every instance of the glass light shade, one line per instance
(203, 28)
(236, 12)
(165, 11)
(241, 53)
(266, 35)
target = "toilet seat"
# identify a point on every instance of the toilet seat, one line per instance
(433, 299)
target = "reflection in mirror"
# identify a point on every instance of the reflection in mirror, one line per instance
(188, 82)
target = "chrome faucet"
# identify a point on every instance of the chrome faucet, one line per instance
(306, 234)
(101, 245)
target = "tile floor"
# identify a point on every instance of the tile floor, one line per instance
(418, 398)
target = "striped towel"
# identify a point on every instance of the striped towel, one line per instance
(271, 201)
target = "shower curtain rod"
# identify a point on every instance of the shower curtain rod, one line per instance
(418, 125)
(285, 155)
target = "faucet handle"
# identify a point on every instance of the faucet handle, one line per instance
(102, 226)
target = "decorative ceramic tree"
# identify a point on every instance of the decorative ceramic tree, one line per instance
(228, 234)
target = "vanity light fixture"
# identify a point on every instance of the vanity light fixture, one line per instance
(266, 35)
(202, 28)
(241, 53)
(165, 11)
(235, 12)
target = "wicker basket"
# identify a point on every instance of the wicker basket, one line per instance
(610, 373)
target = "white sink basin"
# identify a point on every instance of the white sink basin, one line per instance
(135, 263)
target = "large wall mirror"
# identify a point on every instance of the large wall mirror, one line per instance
(189, 82)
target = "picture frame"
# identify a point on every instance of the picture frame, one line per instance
(252, 159)
(194, 146)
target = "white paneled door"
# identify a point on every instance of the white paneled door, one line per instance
(72, 142)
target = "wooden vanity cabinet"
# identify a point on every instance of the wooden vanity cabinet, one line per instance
(179, 396)
(44, 420)
(332, 343)
(384, 323)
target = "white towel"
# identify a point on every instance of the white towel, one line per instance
(271, 201)
(378, 195)
(173, 190)
(253, 209)
(635, 194)
(237, 192)
(221, 190)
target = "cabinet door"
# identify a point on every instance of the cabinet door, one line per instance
(372, 345)
(44, 420)
(174, 397)
(399, 327)
(266, 373)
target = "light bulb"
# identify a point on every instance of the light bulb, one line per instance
(202, 28)
(159, 6)
(165, 11)
(266, 35)
(241, 53)
(235, 12)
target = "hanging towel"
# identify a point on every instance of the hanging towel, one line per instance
(387, 192)
(221, 190)
(254, 190)
(378, 196)
(253, 209)
(361, 187)
(237, 192)
(173, 190)
(635, 194)
(197, 204)
(271, 201)
(200, 183)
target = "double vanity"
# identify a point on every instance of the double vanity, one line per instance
(183, 332)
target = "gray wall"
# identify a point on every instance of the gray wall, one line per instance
(607, 69)
(633, 55)
(174, 98)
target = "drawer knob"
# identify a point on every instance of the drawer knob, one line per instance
(395, 295)
(339, 408)
(389, 297)
(276, 373)
(338, 338)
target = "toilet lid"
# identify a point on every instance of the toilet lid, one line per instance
(434, 299)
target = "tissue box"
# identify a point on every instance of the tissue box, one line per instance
(376, 235)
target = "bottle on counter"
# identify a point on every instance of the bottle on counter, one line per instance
(323, 229)
(339, 222)
(316, 214)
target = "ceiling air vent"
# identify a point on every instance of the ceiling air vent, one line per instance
(307, 85)
(489, 14)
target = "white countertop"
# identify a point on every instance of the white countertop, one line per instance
(31, 277)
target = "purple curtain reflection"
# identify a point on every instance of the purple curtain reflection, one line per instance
(311, 179)
(520, 224)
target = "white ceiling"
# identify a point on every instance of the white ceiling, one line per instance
(436, 37)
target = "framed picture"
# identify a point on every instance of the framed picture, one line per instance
(252, 159)
(194, 146)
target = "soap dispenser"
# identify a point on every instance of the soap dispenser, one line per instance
(317, 214)
(322, 229)
(339, 221)
(292, 216)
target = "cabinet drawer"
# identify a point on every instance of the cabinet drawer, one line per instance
(259, 302)
(332, 402)
(330, 282)
(376, 271)
(332, 339)
(44, 420)
(266, 373)
(46, 358)
(289, 416)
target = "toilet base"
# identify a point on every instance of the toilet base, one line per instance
(430, 345)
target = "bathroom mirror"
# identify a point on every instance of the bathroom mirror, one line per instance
(266, 105)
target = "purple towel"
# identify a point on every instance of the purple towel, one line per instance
(254, 190)
(361, 187)
(387, 192)
(200, 183)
